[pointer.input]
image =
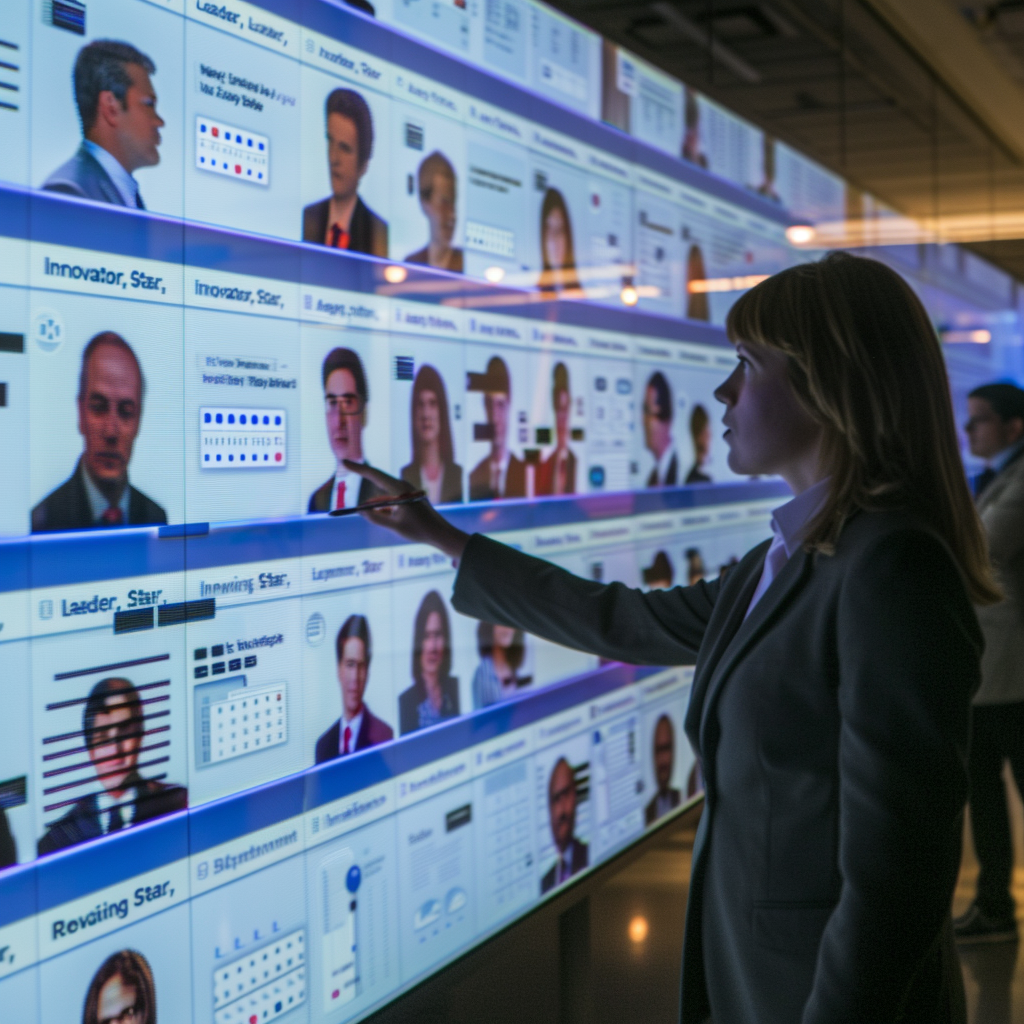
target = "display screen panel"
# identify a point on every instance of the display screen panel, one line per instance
(253, 764)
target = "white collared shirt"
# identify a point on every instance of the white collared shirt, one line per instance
(662, 464)
(789, 524)
(126, 185)
(355, 725)
(106, 803)
(98, 504)
(352, 483)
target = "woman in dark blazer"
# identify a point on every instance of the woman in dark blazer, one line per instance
(434, 694)
(433, 467)
(834, 664)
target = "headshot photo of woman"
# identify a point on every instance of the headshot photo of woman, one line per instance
(434, 694)
(557, 251)
(436, 185)
(697, 307)
(121, 991)
(557, 473)
(700, 433)
(502, 653)
(433, 467)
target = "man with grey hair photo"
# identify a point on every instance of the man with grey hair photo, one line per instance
(120, 126)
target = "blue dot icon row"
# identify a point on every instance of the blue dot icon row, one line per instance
(253, 418)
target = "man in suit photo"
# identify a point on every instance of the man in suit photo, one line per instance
(345, 398)
(114, 728)
(120, 126)
(995, 432)
(657, 413)
(500, 474)
(97, 494)
(343, 220)
(667, 798)
(358, 727)
(573, 854)
(557, 473)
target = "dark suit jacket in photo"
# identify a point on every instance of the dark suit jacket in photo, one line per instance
(651, 810)
(515, 481)
(671, 474)
(83, 176)
(366, 231)
(832, 724)
(580, 858)
(8, 847)
(68, 508)
(451, 481)
(82, 822)
(698, 476)
(545, 482)
(421, 256)
(320, 499)
(371, 732)
(410, 699)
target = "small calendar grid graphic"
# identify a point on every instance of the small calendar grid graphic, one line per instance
(263, 985)
(486, 238)
(232, 152)
(236, 437)
(235, 719)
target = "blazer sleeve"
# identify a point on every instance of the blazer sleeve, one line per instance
(1004, 521)
(908, 648)
(501, 585)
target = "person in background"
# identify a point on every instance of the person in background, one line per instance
(110, 392)
(697, 306)
(121, 991)
(659, 575)
(346, 396)
(343, 220)
(436, 184)
(433, 467)
(700, 432)
(502, 653)
(695, 570)
(358, 727)
(120, 126)
(667, 798)
(434, 694)
(500, 474)
(557, 473)
(658, 431)
(573, 853)
(557, 251)
(114, 729)
(995, 432)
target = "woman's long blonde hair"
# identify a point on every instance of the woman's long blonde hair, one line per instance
(867, 365)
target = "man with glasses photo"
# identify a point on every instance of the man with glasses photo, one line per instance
(345, 399)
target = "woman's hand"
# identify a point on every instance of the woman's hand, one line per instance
(417, 521)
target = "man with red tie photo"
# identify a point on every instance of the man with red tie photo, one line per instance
(343, 220)
(97, 494)
(573, 854)
(345, 399)
(358, 728)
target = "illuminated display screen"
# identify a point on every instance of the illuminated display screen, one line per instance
(253, 765)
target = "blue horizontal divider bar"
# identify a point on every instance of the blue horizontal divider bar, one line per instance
(61, 559)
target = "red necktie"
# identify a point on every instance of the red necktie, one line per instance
(339, 502)
(339, 237)
(112, 516)
(348, 739)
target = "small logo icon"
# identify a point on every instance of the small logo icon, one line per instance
(48, 330)
(46, 609)
(316, 629)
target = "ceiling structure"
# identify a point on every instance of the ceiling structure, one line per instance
(917, 102)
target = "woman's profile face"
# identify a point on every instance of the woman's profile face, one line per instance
(767, 429)
(428, 416)
(432, 652)
(117, 1002)
(504, 636)
(556, 241)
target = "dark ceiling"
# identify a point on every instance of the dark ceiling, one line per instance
(838, 80)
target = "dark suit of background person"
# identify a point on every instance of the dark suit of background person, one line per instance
(120, 125)
(771, 690)
(497, 390)
(579, 859)
(349, 148)
(98, 494)
(372, 732)
(997, 728)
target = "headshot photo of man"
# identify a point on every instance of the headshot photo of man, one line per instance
(121, 991)
(557, 473)
(343, 220)
(667, 798)
(573, 854)
(657, 414)
(113, 730)
(436, 186)
(358, 727)
(120, 126)
(345, 399)
(500, 474)
(700, 434)
(111, 389)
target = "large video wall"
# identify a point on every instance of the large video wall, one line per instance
(253, 766)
